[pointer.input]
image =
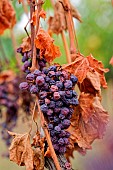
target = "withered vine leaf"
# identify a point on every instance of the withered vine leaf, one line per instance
(20, 150)
(7, 16)
(26, 44)
(90, 73)
(42, 14)
(58, 23)
(47, 48)
(88, 122)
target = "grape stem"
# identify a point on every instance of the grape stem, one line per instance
(69, 20)
(47, 135)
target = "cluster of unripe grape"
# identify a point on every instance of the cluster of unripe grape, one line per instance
(57, 98)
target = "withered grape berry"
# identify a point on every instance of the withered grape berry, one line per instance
(24, 86)
(57, 98)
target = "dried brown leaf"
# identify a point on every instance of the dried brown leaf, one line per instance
(20, 150)
(42, 14)
(88, 122)
(47, 48)
(90, 73)
(111, 61)
(79, 68)
(58, 23)
(26, 44)
(7, 16)
(98, 66)
(38, 160)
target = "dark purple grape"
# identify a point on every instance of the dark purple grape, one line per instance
(40, 80)
(69, 94)
(19, 50)
(64, 111)
(24, 86)
(25, 57)
(57, 129)
(59, 103)
(49, 112)
(66, 141)
(41, 102)
(30, 77)
(74, 79)
(44, 108)
(52, 133)
(50, 126)
(47, 101)
(45, 87)
(42, 64)
(45, 71)
(61, 126)
(74, 93)
(52, 105)
(54, 88)
(52, 68)
(65, 74)
(66, 123)
(27, 64)
(52, 82)
(56, 147)
(43, 95)
(56, 95)
(37, 73)
(47, 79)
(62, 149)
(62, 133)
(33, 89)
(61, 116)
(54, 140)
(56, 119)
(61, 141)
(68, 84)
(57, 110)
(59, 84)
(51, 74)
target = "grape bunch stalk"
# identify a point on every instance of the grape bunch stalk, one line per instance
(57, 98)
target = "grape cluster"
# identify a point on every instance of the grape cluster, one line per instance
(27, 60)
(55, 90)
(8, 101)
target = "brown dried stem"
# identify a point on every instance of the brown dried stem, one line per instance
(47, 135)
(69, 25)
(24, 4)
(15, 48)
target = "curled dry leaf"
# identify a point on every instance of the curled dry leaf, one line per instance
(20, 150)
(38, 160)
(47, 48)
(6, 76)
(111, 61)
(58, 23)
(42, 14)
(88, 123)
(26, 44)
(90, 73)
(7, 15)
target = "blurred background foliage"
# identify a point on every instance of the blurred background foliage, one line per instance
(94, 35)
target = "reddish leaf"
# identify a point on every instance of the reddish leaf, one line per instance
(42, 14)
(88, 122)
(111, 61)
(21, 151)
(44, 42)
(26, 44)
(7, 15)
